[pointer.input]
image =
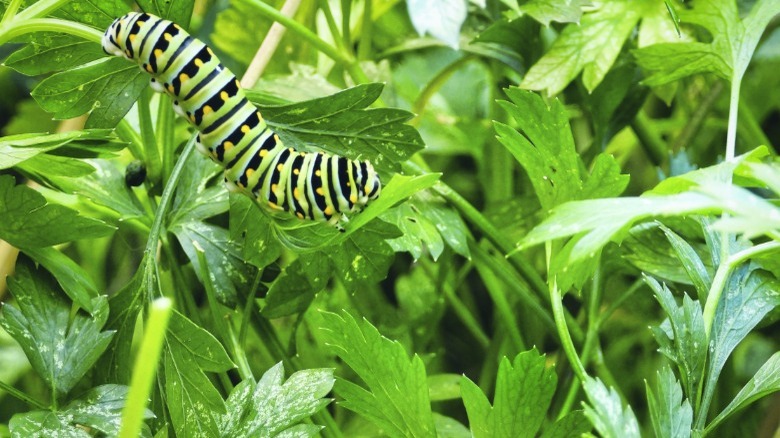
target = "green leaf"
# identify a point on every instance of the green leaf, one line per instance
(272, 408)
(43, 424)
(16, 149)
(729, 53)
(49, 53)
(294, 289)
(100, 408)
(544, 146)
(124, 306)
(108, 88)
(690, 261)
(671, 416)
(545, 11)
(27, 220)
(73, 279)
(192, 201)
(591, 47)
(260, 245)
(747, 297)
(524, 390)
(764, 382)
(602, 220)
(343, 125)
(99, 14)
(575, 423)
(606, 411)
(685, 329)
(441, 19)
(223, 257)
(191, 398)
(106, 187)
(418, 232)
(365, 256)
(396, 397)
(61, 349)
(179, 11)
(46, 168)
(449, 223)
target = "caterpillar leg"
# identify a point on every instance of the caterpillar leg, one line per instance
(156, 85)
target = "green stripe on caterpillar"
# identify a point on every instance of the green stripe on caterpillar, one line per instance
(311, 185)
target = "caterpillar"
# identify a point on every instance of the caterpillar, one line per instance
(231, 131)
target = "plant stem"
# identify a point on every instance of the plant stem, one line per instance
(563, 332)
(731, 133)
(722, 275)
(434, 85)
(654, 146)
(18, 27)
(40, 9)
(268, 46)
(146, 365)
(366, 29)
(10, 11)
(151, 153)
(21, 396)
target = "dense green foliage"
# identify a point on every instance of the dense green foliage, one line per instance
(578, 231)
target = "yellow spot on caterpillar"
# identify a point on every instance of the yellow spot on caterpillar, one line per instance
(318, 172)
(167, 36)
(210, 51)
(158, 53)
(132, 37)
(140, 23)
(273, 205)
(299, 214)
(297, 171)
(353, 199)
(274, 187)
(228, 145)
(279, 167)
(207, 110)
(240, 184)
(149, 68)
(260, 117)
(245, 129)
(320, 191)
(176, 26)
(296, 193)
(263, 152)
(224, 95)
(249, 171)
(291, 149)
(276, 137)
(303, 154)
(328, 211)
(183, 77)
(170, 88)
(198, 62)
(192, 118)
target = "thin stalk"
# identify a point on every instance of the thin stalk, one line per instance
(19, 27)
(483, 260)
(332, 26)
(731, 133)
(563, 332)
(699, 115)
(346, 12)
(268, 46)
(22, 396)
(145, 369)
(10, 11)
(433, 86)
(41, 9)
(151, 153)
(272, 14)
(128, 134)
(165, 136)
(722, 275)
(366, 30)
(654, 146)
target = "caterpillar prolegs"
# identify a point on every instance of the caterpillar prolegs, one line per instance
(311, 185)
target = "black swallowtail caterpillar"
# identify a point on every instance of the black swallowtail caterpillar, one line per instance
(232, 132)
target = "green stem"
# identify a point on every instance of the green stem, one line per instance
(10, 11)
(292, 25)
(165, 136)
(346, 12)
(722, 275)
(366, 30)
(434, 85)
(128, 134)
(563, 332)
(17, 27)
(41, 9)
(697, 118)
(145, 368)
(332, 26)
(731, 133)
(21, 396)
(151, 153)
(654, 146)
